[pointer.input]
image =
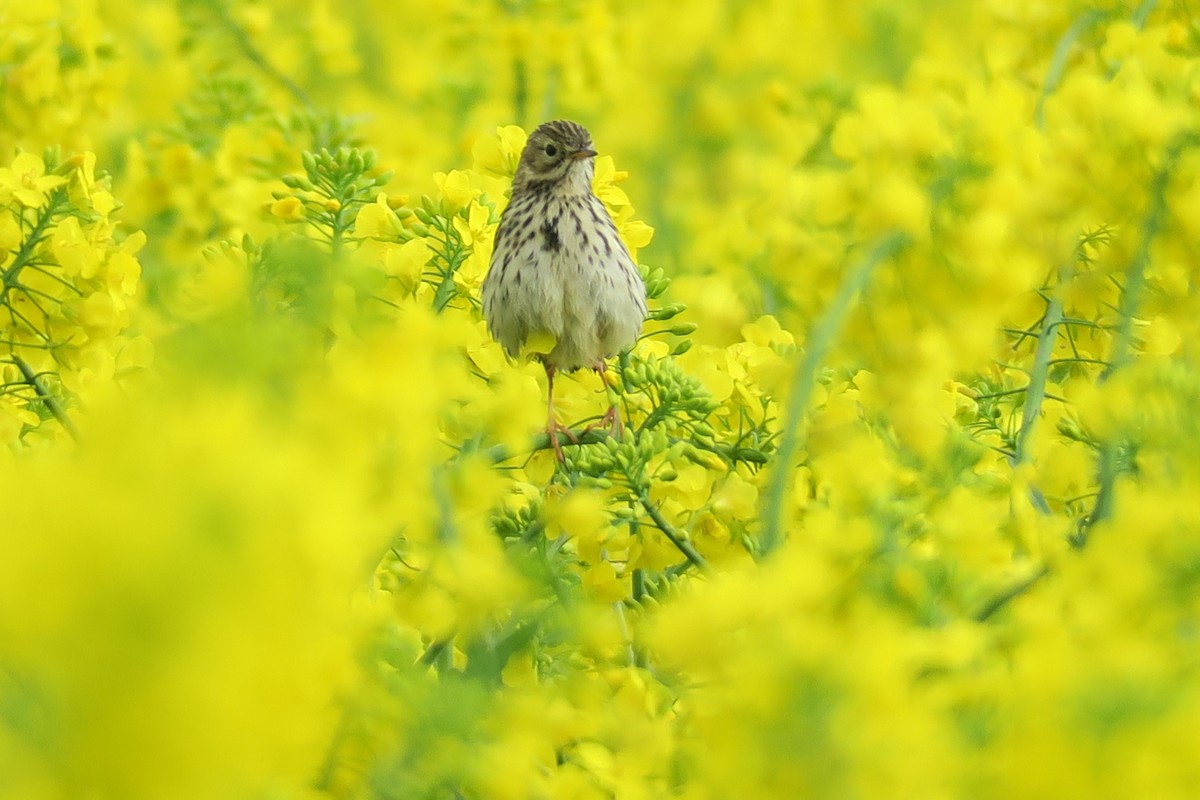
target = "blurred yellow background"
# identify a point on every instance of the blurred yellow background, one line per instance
(906, 504)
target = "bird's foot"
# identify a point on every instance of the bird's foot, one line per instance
(611, 421)
(553, 429)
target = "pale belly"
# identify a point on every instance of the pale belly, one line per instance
(570, 279)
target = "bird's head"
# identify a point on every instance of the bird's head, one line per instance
(557, 153)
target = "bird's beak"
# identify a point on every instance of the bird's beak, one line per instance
(579, 155)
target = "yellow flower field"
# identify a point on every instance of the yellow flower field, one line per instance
(906, 501)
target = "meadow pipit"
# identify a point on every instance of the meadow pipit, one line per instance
(559, 270)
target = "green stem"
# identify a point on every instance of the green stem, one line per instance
(1035, 392)
(56, 408)
(1002, 599)
(434, 655)
(818, 344)
(1127, 307)
(454, 256)
(25, 253)
(500, 453)
(1058, 62)
(669, 531)
(638, 585)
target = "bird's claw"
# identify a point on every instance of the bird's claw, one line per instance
(553, 429)
(611, 421)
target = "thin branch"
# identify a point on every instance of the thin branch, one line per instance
(433, 654)
(25, 254)
(999, 601)
(56, 408)
(17, 315)
(1077, 360)
(817, 346)
(669, 531)
(31, 345)
(1122, 351)
(1036, 394)
(500, 453)
(37, 267)
(1058, 62)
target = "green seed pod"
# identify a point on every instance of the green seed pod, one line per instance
(668, 311)
(749, 455)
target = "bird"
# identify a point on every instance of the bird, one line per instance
(559, 270)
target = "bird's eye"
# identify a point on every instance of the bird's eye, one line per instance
(551, 150)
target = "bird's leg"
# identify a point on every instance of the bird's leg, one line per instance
(612, 417)
(553, 427)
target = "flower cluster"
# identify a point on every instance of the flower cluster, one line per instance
(70, 277)
(902, 501)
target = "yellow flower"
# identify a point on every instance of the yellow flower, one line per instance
(690, 487)
(710, 365)
(137, 353)
(406, 262)
(735, 498)
(122, 269)
(10, 236)
(579, 513)
(103, 202)
(377, 220)
(767, 332)
(99, 316)
(455, 188)
(603, 582)
(82, 167)
(289, 209)
(485, 353)
(512, 408)
(636, 234)
(27, 182)
(498, 156)
(477, 229)
(605, 186)
(1159, 336)
(15, 416)
(72, 250)
(538, 343)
